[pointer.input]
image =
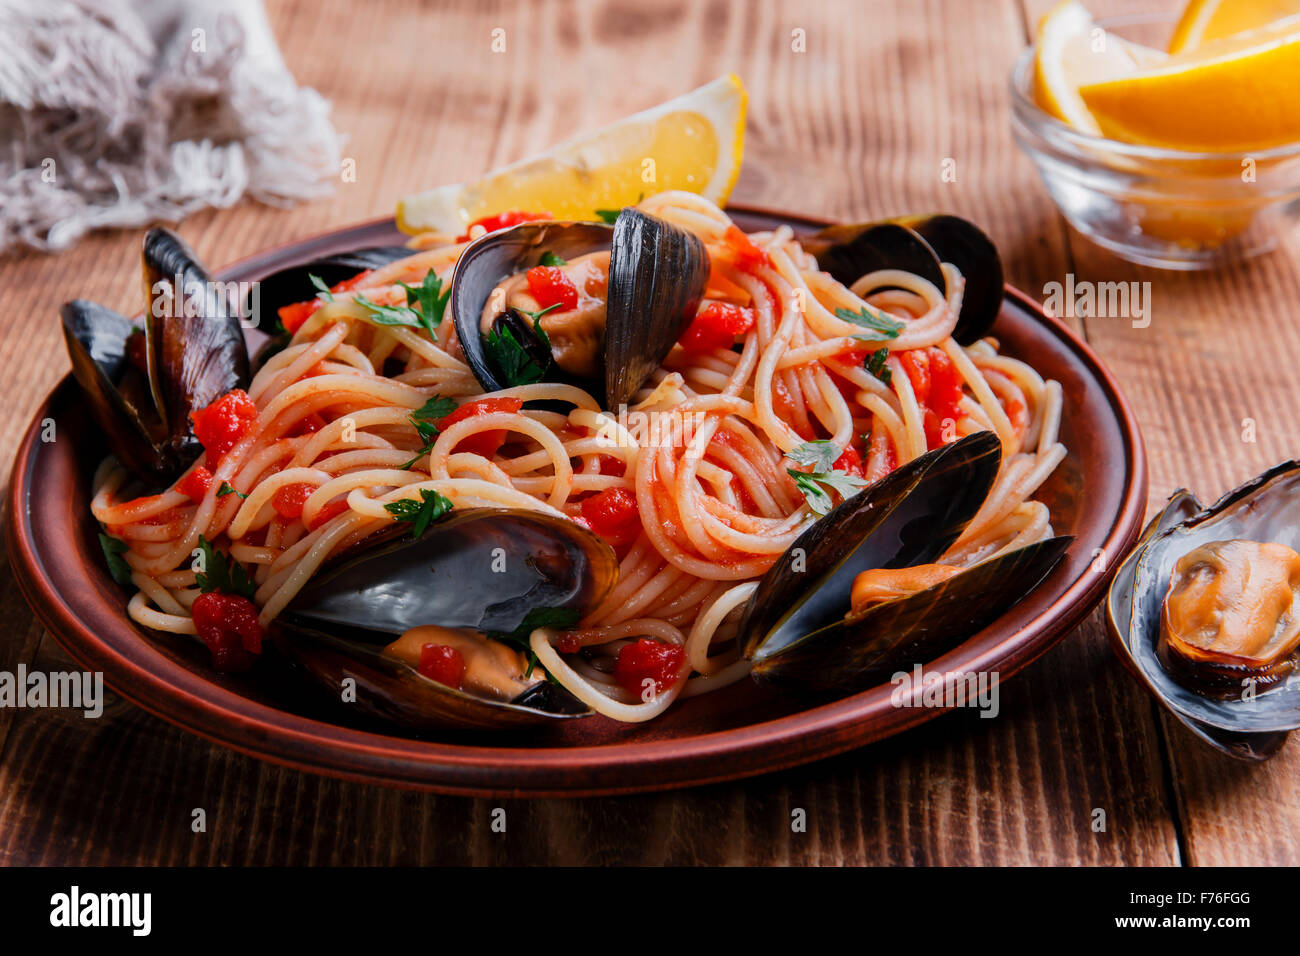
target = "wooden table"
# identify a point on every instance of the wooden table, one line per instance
(858, 126)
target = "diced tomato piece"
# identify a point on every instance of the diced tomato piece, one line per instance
(938, 387)
(748, 255)
(228, 625)
(326, 513)
(293, 316)
(716, 326)
(486, 443)
(442, 663)
(609, 465)
(551, 287)
(613, 514)
(850, 462)
(503, 220)
(288, 500)
(196, 483)
(223, 423)
(648, 659)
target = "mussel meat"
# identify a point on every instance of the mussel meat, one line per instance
(143, 382)
(476, 582)
(804, 628)
(918, 244)
(636, 286)
(1211, 638)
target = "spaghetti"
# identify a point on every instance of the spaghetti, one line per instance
(331, 438)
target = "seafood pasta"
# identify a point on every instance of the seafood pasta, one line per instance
(784, 391)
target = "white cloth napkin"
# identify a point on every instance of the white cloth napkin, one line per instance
(117, 113)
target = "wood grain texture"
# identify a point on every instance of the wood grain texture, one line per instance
(859, 126)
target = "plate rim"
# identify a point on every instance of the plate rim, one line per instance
(305, 743)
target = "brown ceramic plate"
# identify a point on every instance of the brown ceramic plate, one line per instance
(1098, 494)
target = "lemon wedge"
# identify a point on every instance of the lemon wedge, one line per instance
(1204, 21)
(1235, 94)
(694, 142)
(1071, 51)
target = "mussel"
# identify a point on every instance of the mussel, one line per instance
(479, 572)
(800, 628)
(142, 383)
(1244, 706)
(919, 244)
(609, 344)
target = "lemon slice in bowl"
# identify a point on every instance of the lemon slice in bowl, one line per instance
(1205, 21)
(1071, 50)
(1232, 95)
(694, 142)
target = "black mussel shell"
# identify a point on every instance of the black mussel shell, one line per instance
(1247, 724)
(918, 244)
(852, 655)
(96, 339)
(909, 517)
(485, 569)
(194, 342)
(1248, 746)
(657, 277)
(499, 255)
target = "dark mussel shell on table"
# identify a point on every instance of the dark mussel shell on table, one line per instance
(657, 276)
(919, 244)
(193, 352)
(1251, 726)
(483, 569)
(796, 628)
(293, 284)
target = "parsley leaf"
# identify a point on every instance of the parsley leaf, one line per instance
(536, 317)
(511, 359)
(423, 419)
(325, 292)
(390, 314)
(225, 489)
(817, 455)
(551, 259)
(873, 319)
(430, 297)
(875, 364)
(222, 573)
(432, 506)
(113, 550)
(559, 618)
(608, 215)
(824, 478)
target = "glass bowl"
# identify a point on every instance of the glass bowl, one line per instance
(1158, 207)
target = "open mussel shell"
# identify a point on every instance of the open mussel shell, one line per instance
(794, 627)
(918, 244)
(657, 276)
(1266, 509)
(194, 342)
(193, 352)
(484, 569)
(499, 255)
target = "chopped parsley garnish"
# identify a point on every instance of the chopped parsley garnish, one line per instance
(873, 319)
(389, 314)
(423, 421)
(431, 298)
(225, 489)
(875, 364)
(222, 573)
(325, 292)
(608, 215)
(431, 506)
(551, 259)
(824, 478)
(558, 618)
(113, 550)
(511, 359)
(536, 317)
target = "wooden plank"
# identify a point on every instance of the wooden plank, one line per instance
(1213, 382)
(858, 126)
